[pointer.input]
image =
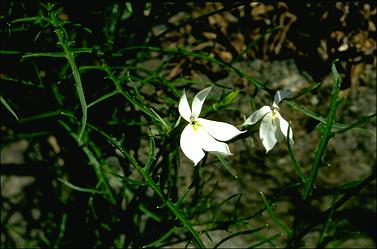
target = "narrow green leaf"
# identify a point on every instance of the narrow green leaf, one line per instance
(8, 107)
(99, 172)
(127, 180)
(158, 242)
(318, 117)
(216, 209)
(41, 116)
(161, 120)
(267, 240)
(30, 19)
(143, 107)
(149, 213)
(103, 97)
(9, 52)
(151, 158)
(327, 224)
(80, 189)
(181, 217)
(59, 54)
(350, 184)
(360, 122)
(182, 197)
(45, 54)
(239, 233)
(26, 135)
(226, 165)
(306, 90)
(277, 221)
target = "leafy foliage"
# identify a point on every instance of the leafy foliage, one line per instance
(96, 100)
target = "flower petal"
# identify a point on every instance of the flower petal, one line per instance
(198, 101)
(190, 144)
(219, 130)
(184, 107)
(284, 128)
(208, 143)
(257, 115)
(267, 132)
(280, 95)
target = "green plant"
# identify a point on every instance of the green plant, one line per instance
(103, 133)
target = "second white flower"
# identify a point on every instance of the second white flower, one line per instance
(273, 127)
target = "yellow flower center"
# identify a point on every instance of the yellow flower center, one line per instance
(195, 125)
(274, 110)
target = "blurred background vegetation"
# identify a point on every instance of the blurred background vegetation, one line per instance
(120, 68)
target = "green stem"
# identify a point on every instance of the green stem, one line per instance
(180, 216)
(296, 238)
(150, 182)
(326, 226)
(69, 54)
(295, 165)
(62, 229)
(149, 111)
(327, 134)
(100, 175)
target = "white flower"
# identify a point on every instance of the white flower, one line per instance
(273, 127)
(202, 134)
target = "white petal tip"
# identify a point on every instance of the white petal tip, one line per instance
(228, 153)
(223, 154)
